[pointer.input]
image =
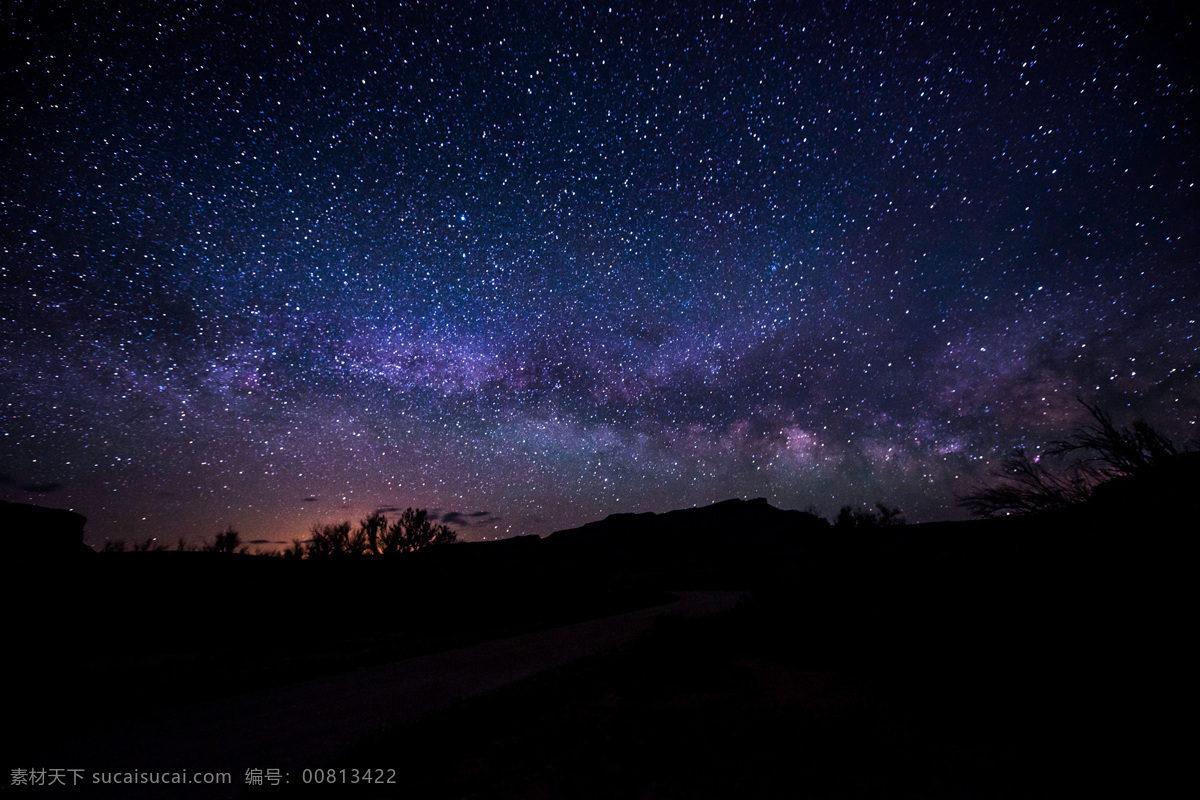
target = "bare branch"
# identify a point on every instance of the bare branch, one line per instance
(1101, 451)
(1022, 486)
(1118, 451)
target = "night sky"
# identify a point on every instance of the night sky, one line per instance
(268, 265)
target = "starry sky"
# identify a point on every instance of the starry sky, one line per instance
(274, 264)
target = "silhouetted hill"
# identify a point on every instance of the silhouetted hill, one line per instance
(1162, 490)
(36, 531)
(742, 524)
(696, 545)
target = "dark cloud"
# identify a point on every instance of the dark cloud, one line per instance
(466, 520)
(34, 487)
(41, 488)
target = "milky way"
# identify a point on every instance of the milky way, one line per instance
(276, 264)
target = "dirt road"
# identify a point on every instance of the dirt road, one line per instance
(306, 725)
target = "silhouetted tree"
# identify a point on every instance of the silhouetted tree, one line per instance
(227, 541)
(850, 518)
(413, 532)
(357, 545)
(372, 528)
(1101, 450)
(845, 519)
(391, 539)
(330, 541)
(889, 517)
(1117, 451)
(374, 536)
(1022, 486)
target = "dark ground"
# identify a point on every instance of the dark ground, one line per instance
(1040, 657)
(755, 704)
(702, 711)
(121, 635)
